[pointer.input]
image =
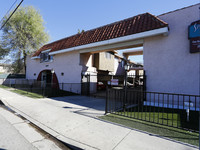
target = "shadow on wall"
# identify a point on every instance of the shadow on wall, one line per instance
(120, 69)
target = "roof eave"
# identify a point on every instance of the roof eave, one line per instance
(142, 35)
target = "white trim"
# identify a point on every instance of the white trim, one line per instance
(63, 51)
(141, 35)
(139, 49)
(35, 57)
(133, 51)
(115, 46)
(46, 51)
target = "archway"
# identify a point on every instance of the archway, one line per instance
(49, 79)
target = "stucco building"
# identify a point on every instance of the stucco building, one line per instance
(168, 62)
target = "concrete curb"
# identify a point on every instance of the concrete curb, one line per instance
(75, 145)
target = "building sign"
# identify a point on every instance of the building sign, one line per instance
(194, 36)
(114, 81)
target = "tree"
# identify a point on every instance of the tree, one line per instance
(79, 32)
(22, 35)
(3, 52)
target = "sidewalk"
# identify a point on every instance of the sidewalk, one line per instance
(75, 124)
(10, 137)
(17, 134)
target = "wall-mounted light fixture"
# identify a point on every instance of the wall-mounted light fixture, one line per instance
(52, 71)
(62, 73)
(34, 74)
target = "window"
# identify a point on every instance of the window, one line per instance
(107, 55)
(45, 57)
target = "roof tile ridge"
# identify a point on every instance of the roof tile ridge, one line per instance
(113, 23)
(63, 39)
(158, 18)
(109, 24)
(78, 36)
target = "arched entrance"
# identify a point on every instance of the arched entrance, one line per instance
(48, 78)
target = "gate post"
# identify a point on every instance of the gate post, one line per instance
(88, 84)
(106, 107)
(82, 84)
(199, 128)
(144, 81)
(144, 86)
(125, 92)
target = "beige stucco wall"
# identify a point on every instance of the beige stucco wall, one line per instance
(106, 63)
(86, 60)
(169, 65)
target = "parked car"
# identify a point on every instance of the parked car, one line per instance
(101, 86)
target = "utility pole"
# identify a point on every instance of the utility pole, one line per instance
(11, 14)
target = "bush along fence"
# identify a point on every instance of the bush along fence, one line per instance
(174, 110)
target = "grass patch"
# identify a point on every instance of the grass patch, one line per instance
(38, 92)
(165, 116)
(28, 94)
(170, 119)
(4, 87)
(169, 132)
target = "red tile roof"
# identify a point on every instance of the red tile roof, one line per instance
(140, 23)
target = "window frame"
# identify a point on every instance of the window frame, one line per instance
(45, 57)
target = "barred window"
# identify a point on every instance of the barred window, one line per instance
(45, 57)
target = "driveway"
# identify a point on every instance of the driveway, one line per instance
(84, 105)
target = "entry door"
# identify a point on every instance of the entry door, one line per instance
(43, 79)
(46, 78)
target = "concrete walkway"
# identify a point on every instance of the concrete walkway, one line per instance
(17, 134)
(10, 137)
(74, 122)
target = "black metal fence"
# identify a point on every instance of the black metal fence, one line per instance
(45, 89)
(12, 76)
(132, 80)
(174, 110)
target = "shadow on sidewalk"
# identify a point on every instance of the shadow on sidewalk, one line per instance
(85, 101)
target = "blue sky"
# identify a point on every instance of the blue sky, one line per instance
(63, 18)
